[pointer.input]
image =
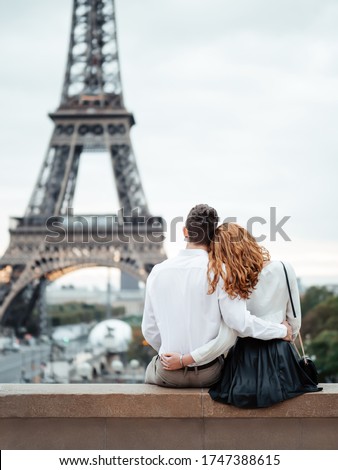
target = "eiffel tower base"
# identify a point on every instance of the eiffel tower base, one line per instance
(36, 258)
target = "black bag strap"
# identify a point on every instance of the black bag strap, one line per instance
(289, 289)
(294, 312)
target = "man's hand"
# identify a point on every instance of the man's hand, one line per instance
(288, 337)
(171, 361)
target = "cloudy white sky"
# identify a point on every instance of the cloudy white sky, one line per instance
(236, 104)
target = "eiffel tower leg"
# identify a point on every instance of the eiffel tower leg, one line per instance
(19, 308)
(128, 182)
(67, 189)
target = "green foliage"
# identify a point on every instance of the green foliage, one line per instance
(320, 328)
(322, 317)
(133, 320)
(325, 348)
(79, 312)
(314, 296)
(139, 349)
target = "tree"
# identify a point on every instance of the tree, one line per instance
(322, 317)
(325, 349)
(80, 312)
(320, 330)
(139, 349)
(313, 296)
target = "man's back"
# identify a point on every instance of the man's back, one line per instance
(178, 303)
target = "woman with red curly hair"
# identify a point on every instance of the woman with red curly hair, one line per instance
(235, 251)
(256, 373)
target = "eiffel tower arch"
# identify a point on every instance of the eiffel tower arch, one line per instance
(49, 241)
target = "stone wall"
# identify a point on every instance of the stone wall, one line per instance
(141, 417)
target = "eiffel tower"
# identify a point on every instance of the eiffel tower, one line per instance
(49, 240)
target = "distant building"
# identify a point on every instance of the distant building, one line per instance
(131, 300)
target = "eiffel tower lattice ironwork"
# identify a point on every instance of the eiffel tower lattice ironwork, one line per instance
(91, 117)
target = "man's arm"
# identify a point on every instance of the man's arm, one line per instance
(150, 329)
(236, 316)
(208, 352)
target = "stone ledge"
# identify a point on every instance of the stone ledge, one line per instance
(148, 401)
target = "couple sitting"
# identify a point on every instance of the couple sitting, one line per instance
(208, 309)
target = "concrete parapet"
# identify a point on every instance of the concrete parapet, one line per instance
(95, 416)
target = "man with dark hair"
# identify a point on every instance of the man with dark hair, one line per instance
(179, 315)
(201, 224)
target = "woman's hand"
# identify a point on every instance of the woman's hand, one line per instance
(171, 361)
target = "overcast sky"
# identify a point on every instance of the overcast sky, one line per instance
(236, 104)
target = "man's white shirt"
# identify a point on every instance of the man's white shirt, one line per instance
(180, 316)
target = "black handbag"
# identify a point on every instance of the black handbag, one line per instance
(309, 367)
(305, 362)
